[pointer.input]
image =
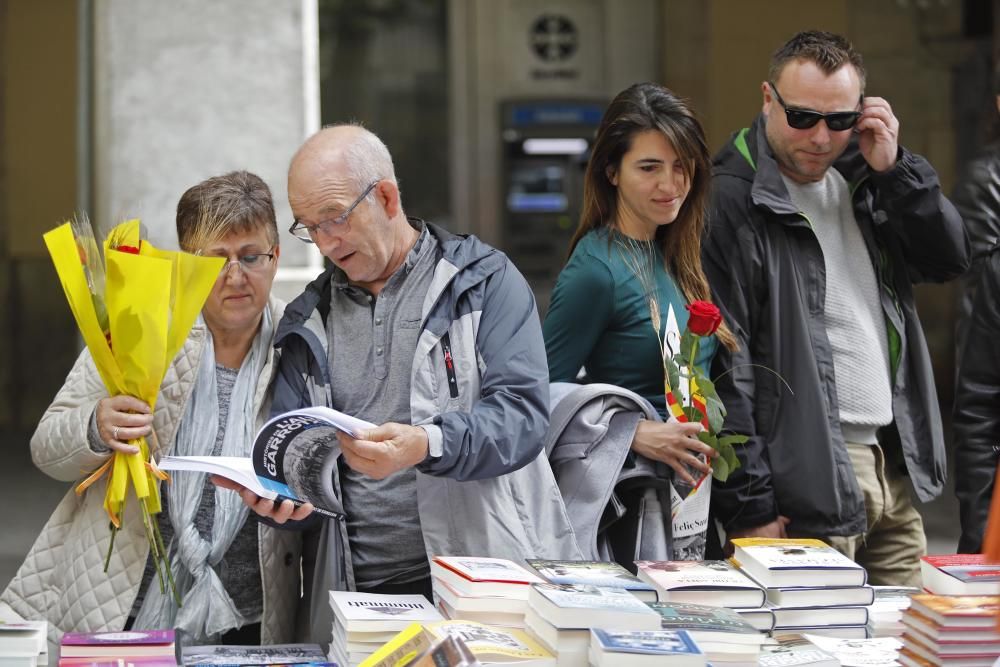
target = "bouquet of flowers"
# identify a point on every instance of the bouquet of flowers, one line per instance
(134, 305)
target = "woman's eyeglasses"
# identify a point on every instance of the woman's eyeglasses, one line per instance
(803, 119)
(252, 263)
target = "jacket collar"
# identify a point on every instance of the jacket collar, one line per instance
(749, 157)
(470, 260)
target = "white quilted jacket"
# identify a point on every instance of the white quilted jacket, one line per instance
(63, 579)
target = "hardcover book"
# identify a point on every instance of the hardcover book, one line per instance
(924, 627)
(593, 573)
(960, 574)
(711, 582)
(410, 642)
(762, 618)
(560, 642)
(822, 596)
(118, 644)
(371, 612)
(782, 563)
(639, 648)
(292, 457)
(795, 617)
(475, 576)
(568, 606)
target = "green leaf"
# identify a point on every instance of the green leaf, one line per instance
(728, 453)
(716, 413)
(709, 439)
(673, 375)
(688, 342)
(720, 468)
(733, 439)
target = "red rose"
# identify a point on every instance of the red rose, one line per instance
(704, 318)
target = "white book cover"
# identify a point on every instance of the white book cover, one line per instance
(783, 554)
(477, 568)
(569, 596)
(859, 652)
(371, 611)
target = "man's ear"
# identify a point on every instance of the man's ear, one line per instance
(387, 196)
(768, 96)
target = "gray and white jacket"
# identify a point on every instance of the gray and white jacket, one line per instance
(486, 487)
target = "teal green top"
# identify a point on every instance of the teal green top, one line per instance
(599, 317)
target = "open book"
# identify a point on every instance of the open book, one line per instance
(292, 458)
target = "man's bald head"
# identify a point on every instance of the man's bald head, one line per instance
(349, 149)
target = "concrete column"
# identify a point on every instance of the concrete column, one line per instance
(185, 90)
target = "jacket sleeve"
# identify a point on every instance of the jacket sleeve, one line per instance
(505, 428)
(928, 226)
(977, 198)
(732, 255)
(581, 308)
(59, 445)
(977, 409)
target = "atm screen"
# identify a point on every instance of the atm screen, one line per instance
(537, 188)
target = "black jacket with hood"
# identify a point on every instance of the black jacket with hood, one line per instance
(766, 268)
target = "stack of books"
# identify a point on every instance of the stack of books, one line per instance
(810, 586)
(143, 648)
(642, 648)
(562, 615)
(24, 643)
(885, 614)
(363, 622)
(711, 582)
(951, 631)
(593, 573)
(485, 590)
(960, 574)
(725, 638)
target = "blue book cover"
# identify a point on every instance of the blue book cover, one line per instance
(653, 642)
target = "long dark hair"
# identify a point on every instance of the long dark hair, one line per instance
(639, 108)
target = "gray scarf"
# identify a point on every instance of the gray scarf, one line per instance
(207, 610)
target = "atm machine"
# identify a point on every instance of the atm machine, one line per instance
(546, 145)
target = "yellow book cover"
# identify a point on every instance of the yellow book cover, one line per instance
(493, 644)
(780, 542)
(401, 649)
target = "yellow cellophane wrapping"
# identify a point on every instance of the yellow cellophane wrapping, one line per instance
(152, 300)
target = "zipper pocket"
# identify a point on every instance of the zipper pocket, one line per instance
(449, 365)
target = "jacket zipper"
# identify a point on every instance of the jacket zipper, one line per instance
(449, 365)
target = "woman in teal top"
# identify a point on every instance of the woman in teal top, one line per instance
(639, 240)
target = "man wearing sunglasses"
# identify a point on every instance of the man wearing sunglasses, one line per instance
(820, 223)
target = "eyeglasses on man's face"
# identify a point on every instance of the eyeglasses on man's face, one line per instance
(803, 119)
(308, 233)
(250, 263)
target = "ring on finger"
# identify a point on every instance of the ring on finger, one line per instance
(114, 433)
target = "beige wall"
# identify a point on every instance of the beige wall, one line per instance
(716, 52)
(37, 190)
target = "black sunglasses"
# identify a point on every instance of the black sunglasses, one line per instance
(803, 119)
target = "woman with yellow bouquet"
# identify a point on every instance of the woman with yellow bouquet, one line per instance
(236, 580)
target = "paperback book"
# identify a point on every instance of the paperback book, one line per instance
(293, 457)
(569, 606)
(494, 645)
(218, 655)
(132, 643)
(592, 573)
(959, 611)
(793, 617)
(794, 650)
(372, 612)
(639, 648)
(711, 582)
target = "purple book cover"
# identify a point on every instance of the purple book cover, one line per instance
(136, 637)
